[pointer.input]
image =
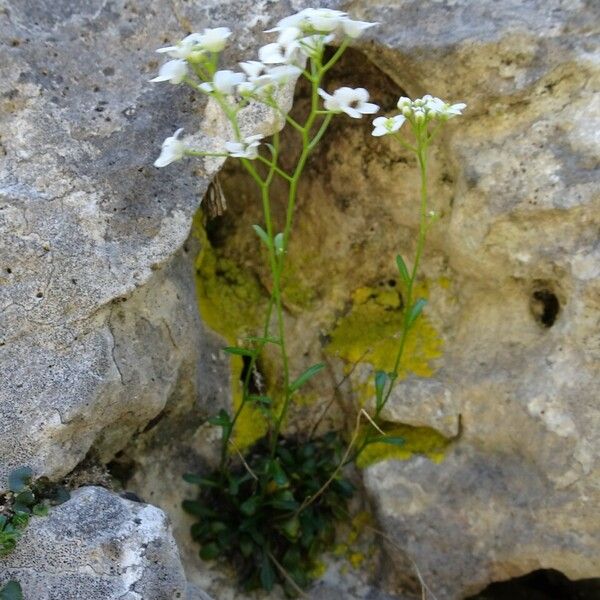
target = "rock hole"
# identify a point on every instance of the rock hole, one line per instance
(545, 306)
(544, 584)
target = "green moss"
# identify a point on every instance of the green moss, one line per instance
(374, 325)
(231, 302)
(417, 440)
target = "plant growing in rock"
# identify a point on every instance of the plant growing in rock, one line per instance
(24, 500)
(272, 511)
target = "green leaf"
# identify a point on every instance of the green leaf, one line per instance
(403, 270)
(343, 487)
(239, 351)
(308, 374)
(61, 495)
(201, 481)
(278, 474)
(3, 520)
(195, 508)
(11, 591)
(380, 381)
(40, 510)
(21, 517)
(25, 498)
(264, 400)
(291, 528)
(278, 243)
(264, 340)
(250, 506)
(262, 234)
(267, 574)
(387, 439)
(19, 479)
(221, 420)
(209, 551)
(415, 311)
(246, 545)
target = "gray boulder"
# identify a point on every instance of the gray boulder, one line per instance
(97, 546)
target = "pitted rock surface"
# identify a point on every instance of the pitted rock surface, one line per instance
(98, 315)
(97, 546)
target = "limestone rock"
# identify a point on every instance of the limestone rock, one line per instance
(97, 309)
(97, 546)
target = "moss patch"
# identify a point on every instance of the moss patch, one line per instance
(232, 303)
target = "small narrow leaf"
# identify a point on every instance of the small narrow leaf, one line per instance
(195, 508)
(11, 591)
(262, 234)
(60, 495)
(264, 340)
(291, 528)
(250, 506)
(267, 574)
(403, 270)
(209, 551)
(19, 479)
(221, 420)
(278, 243)
(264, 400)
(40, 510)
(201, 481)
(240, 351)
(415, 311)
(308, 374)
(380, 381)
(278, 474)
(387, 439)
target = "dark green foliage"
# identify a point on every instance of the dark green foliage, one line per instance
(24, 500)
(253, 517)
(11, 591)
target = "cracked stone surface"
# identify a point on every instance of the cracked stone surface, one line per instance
(97, 546)
(99, 333)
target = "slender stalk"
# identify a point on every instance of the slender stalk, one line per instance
(422, 160)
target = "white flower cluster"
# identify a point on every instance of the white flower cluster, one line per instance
(300, 36)
(419, 112)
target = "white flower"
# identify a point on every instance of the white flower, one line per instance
(272, 54)
(214, 40)
(285, 50)
(185, 48)
(252, 68)
(261, 78)
(172, 149)
(248, 148)
(224, 82)
(283, 73)
(387, 125)
(354, 102)
(354, 29)
(443, 110)
(404, 102)
(323, 20)
(173, 71)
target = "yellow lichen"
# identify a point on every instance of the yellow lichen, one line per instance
(374, 325)
(417, 440)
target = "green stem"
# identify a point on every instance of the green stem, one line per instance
(421, 152)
